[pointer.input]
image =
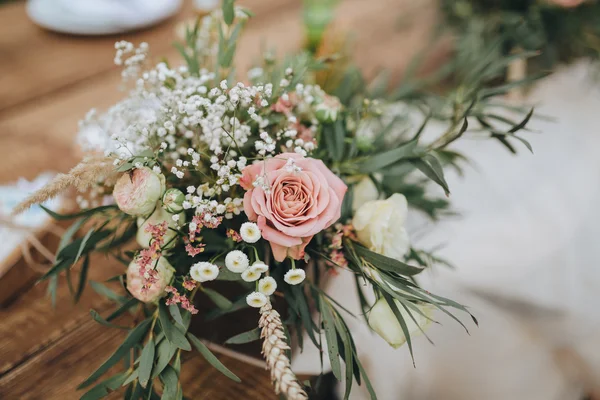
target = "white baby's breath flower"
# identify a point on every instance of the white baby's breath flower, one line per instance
(259, 267)
(256, 299)
(204, 271)
(250, 232)
(250, 275)
(267, 286)
(236, 261)
(294, 276)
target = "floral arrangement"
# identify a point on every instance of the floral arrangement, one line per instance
(550, 31)
(271, 183)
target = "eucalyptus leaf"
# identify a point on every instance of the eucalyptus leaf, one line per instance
(220, 301)
(132, 340)
(173, 334)
(146, 362)
(210, 357)
(245, 337)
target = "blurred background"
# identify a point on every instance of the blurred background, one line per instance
(523, 238)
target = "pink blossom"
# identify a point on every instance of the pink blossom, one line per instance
(137, 192)
(182, 300)
(300, 197)
(236, 237)
(149, 283)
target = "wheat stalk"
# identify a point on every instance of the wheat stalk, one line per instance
(85, 174)
(274, 348)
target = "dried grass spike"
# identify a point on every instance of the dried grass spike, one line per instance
(274, 347)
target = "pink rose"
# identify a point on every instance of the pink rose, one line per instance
(292, 198)
(137, 192)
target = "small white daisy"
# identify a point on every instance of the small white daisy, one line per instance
(236, 261)
(250, 275)
(267, 286)
(256, 299)
(250, 232)
(204, 271)
(294, 276)
(259, 267)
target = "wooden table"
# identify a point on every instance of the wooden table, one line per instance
(47, 83)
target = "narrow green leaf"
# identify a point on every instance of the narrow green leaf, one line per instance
(82, 213)
(228, 11)
(176, 314)
(379, 161)
(385, 263)
(245, 337)
(220, 301)
(171, 383)
(389, 299)
(125, 307)
(105, 387)
(132, 339)
(210, 357)
(432, 169)
(102, 290)
(165, 351)
(98, 318)
(82, 277)
(173, 334)
(331, 336)
(146, 362)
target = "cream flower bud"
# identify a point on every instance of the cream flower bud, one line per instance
(173, 200)
(250, 275)
(159, 216)
(327, 110)
(250, 232)
(379, 225)
(363, 192)
(236, 261)
(157, 289)
(136, 193)
(267, 286)
(256, 299)
(294, 276)
(383, 321)
(259, 266)
(204, 271)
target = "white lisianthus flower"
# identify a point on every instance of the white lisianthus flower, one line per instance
(159, 216)
(363, 192)
(236, 261)
(267, 285)
(383, 321)
(250, 275)
(136, 193)
(256, 299)
(204, 271)
(294, 276)
(173, 200)
(259, 266)
(379, 225)
(250, 232)
(157, 289)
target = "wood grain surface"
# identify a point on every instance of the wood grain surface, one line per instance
(48, 82)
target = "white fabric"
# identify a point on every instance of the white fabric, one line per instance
(527, 244)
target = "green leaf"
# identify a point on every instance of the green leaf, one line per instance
(522, 124)
(210, 357)
(102, 290)
(146, 362)
(105, 387)
(220, 301)
(171, 383)
(365, 377)
(98, 318)
(431, 167)
(126, 306)
(245, 337)
(331, 336)
(173, 334)
(228, 11)
(165, 351)
(176, 314)
(346, 340)
(386, 263)
(82, 277)
(389, 299)
(69, 233)
(381, 160)
(132, 339)
(82, 213)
